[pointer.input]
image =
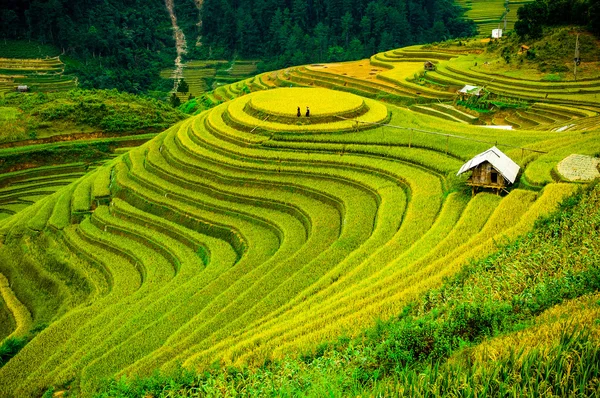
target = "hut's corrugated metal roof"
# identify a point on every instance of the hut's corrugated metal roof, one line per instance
(502, 163)
(468, 89)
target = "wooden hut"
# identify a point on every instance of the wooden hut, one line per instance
(428, 65)
(491, 169)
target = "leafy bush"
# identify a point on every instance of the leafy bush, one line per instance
(10, 347)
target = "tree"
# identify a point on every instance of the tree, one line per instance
(356, 50)
(182, 86)
(335, 54)
(9, 23)
(300, 13)
(594, 16)
(174, 100)
(531, 19)
(321, 38)
(248, 37)
(346, 27)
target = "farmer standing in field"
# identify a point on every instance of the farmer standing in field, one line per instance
(298, 114)
(307, 112)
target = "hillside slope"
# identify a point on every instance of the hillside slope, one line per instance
(248, 232)
(522, 320)
(49, 140)
(251, 232)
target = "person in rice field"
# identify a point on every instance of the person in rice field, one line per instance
(307, 112)
(298, 114)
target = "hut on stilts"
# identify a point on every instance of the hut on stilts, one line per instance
(491, 169)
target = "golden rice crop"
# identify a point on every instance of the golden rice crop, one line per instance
(226, 238)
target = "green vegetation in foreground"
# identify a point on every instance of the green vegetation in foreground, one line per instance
(43, 115)
(502, 295)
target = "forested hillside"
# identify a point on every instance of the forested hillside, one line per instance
(124, 44)
(534, 16)
(115, 43)
(297, 31)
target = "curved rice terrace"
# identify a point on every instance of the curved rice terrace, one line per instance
(38, 74)
(248, 232)
(517, 100)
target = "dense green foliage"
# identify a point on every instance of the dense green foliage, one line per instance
(523, 374)
(502, 293)
(12, 345)
(25, 49)
(297, 32)
(117, 44)
(39, 114)
(105, 110)
(534, 16)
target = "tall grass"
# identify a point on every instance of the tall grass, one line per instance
(505, 292)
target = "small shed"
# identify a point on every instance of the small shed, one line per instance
(491, 169)
(523, 49)
(496, 33)
(22, 89)
(469, 91)
(428, 65)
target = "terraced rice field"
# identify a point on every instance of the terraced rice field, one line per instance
(39, 74)
(238, 70)
(398, 76)
(247, 232)
(489, 14)
(511, 17)
(197, 74)
(202, 75)
(20, 189)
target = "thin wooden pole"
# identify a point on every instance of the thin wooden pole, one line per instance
(576, 58)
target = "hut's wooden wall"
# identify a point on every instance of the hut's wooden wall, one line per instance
(485, 175)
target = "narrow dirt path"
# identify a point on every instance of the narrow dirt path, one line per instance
(180, 44)
(199, 4)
